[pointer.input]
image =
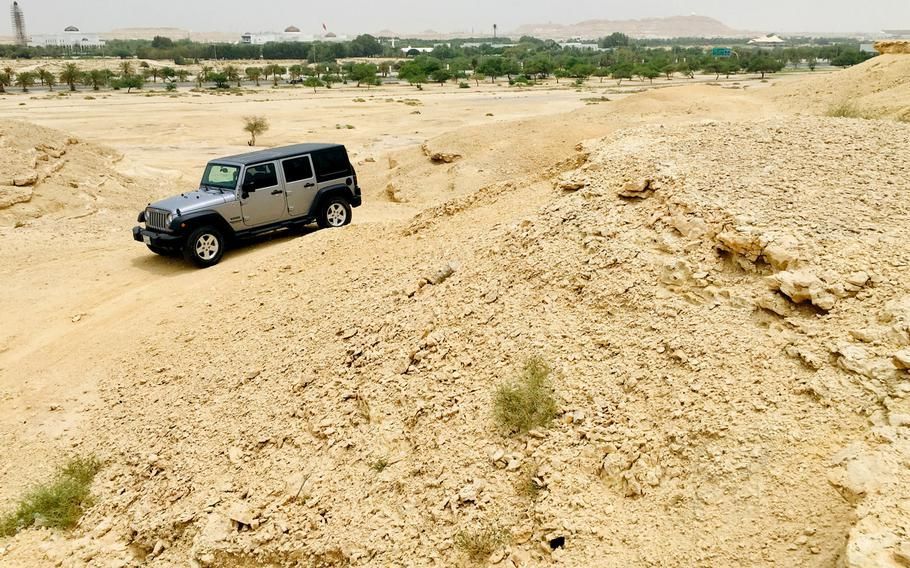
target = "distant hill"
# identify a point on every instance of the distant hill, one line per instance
(678, 26)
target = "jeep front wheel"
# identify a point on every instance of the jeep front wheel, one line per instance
(334, 212)
(204, 247)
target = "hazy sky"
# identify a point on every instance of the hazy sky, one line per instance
(360, 16)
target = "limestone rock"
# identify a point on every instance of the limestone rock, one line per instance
(804, 286)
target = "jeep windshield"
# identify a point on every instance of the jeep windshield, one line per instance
(221, 176)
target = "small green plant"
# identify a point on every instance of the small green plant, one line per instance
(479, 544)
(463, 85)
(379, 465)
(528, 403)
(58, 504)
(529, 484)
(170, 87)
(255, 125)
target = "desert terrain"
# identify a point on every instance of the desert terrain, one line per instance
(715, 272)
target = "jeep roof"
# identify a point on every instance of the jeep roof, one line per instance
(275, 153)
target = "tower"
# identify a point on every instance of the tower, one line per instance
(18, 19)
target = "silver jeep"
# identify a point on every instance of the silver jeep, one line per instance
(250, 194)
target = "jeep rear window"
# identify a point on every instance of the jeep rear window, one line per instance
(332, 163)
(297, 169)
(221, 176)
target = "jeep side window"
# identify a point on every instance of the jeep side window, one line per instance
(297, 169)
(260, 176)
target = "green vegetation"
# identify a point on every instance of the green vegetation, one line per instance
(379, 465)
(528, 403)
(255, 125)
(59, 504)
(849, 109)
(479, 544)
(528, 484)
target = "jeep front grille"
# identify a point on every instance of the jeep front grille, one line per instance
(155, 219)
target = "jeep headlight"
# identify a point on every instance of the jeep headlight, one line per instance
(169, 219)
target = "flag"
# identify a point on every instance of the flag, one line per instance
(324, 28)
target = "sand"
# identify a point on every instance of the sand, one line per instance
(717, 282)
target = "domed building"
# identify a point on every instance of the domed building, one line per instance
(292, 30)
(71, 29)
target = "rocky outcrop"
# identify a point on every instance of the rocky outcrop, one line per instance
(893, 47)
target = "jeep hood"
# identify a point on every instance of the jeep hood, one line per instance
(193, 201)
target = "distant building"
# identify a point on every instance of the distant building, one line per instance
(897, 34)
(579, 45)
(476, 44)
(290, 34)
(420, 49)
(868, 48)
(70, 38)
(768, 41)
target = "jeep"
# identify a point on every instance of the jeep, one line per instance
(251, 194)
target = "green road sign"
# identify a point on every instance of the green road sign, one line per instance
(722, 52)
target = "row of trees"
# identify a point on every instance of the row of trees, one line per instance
(71, 76)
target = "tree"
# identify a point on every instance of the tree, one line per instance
(615, 40)
(97, 78)
(365, 46)
(232, 73)
(313, 82)
(47, 78)
(763, 65)
(622, 71)
(478, 77)
(220, 79)
(363, 73)
(647, 72)
(182, 75)
(5, 81)
(126, 69)
(160, 42)
(130, 82)
(669, 69)
(441, 76)
(25, 80)
(167, 73)
(255, 125)
(491, 67)
(71, 75)
(254, 74)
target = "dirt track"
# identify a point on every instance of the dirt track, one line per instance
(183, 367)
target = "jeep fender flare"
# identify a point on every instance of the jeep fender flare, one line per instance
(331, 191)
(199, 218)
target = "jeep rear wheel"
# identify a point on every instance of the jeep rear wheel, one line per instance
(335, 212)
(204, 247)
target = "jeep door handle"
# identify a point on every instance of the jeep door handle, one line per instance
(309, 184)
(277, 192)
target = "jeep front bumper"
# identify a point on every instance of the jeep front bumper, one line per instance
(157, 239)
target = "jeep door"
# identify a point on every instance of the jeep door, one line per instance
(262, 199)
(300, 184)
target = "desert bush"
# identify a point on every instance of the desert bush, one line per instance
(379, 465)
(529, 402)
(463, 85)
(479, 544)
(849, 109)
(529, 484)
(58, 504)
(255, 125)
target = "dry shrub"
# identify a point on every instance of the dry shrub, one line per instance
(480, 543)
(528, 403)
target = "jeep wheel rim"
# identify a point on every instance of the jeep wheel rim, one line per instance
(336, 214)
(206, 247)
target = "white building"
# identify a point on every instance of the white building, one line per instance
(579, 45)
(767, 41)
(71, 38)
(291, 34)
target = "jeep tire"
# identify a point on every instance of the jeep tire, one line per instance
(204, 246)
(334, 212)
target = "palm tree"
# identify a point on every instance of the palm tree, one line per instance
(71, 75)
(203, 75)
(25, 80)
(232, 74)
(126, 68)
(97, 78)
(5, 81)
(47, 78)
(182, 75)
(254, 73)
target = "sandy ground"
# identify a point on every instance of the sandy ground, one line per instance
(206, 390)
